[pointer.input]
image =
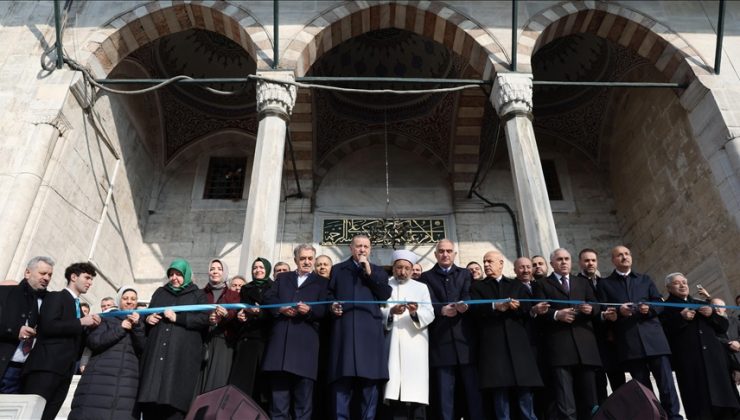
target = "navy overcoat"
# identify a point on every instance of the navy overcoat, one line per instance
(293, 345)
(357, 341)
(637, 336)
(452, 341)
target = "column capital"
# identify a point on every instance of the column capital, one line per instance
(512, 93)
(275, 98)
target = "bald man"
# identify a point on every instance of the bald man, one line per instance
(506, 360)
(642, 347)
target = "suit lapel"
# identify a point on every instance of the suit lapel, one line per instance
(555, 283)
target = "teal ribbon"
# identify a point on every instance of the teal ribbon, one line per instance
(238, 306)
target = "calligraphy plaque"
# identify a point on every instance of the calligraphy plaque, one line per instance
(383, 232)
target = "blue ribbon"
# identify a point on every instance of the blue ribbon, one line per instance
(237, 306)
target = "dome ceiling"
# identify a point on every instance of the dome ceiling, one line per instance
(423, 118)
(575, 114)
(191, 111)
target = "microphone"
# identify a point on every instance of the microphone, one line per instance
(363, 264)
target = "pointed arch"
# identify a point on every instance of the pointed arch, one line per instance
(435, 20)
(143, 24)
(665, 49)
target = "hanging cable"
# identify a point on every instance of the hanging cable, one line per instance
(298, 194)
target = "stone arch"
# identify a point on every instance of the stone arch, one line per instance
(130, 30)
(435, 20)
(671, 55)
(346, 148)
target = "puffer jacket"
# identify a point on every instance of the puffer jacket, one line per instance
(108, 387)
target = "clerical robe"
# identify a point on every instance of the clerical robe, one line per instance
(408, 358)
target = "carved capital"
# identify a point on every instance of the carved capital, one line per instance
(274, 97)
(512, 94)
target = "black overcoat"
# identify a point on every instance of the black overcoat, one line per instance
(568, 344)
(293, 346)
(637, 336)
(699, 360)
(18, 304)
(174, 351)
(108, 388)
(505, 355)
(451, 340)
(357, 339)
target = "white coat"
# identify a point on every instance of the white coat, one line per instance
(408, 358)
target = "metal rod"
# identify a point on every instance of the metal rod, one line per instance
(400, 80)
(514, 17)
(319, 79)
(275, 33)
(58, 28)
(720, 36)
(611, 84)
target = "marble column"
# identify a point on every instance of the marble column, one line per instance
(275, 102)
(36, 153)
(512, 98)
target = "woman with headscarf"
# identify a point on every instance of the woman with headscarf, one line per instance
(220, 340)
(252, 335)
(108, 388)
(172, 356)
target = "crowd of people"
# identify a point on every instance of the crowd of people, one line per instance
(446, 343)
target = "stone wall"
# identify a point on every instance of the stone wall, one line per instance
(70, 203)
(667, 205)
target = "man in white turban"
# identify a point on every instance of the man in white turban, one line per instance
(407, 316)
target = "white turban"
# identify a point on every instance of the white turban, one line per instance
(403, 254)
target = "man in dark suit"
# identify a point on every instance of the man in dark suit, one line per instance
(49, 369)
(700, 361)
(588, 261)
(571, 348)
(19, 312)
(357, 355)
(292, 354)
(506, 360)
(642, 346)
(451, 336)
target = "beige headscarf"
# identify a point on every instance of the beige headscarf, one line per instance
(224, 276)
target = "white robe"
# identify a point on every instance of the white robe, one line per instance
(408, 358)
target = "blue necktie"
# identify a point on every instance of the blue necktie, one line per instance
(77, 307)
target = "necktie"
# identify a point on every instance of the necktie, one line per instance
(77, 307)
(627, 283)
(566, 285)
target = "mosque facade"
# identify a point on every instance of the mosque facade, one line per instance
(251, 167)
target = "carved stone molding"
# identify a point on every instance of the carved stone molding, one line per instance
(512, 94)
(275, 98)
(58, 121)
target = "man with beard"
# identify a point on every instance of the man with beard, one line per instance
(19, 313)
(539, 267)
(416, 271)
(476, 271)
(407, 319)
(588, 261)
(707, 391)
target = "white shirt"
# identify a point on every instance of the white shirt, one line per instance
(301, 278)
